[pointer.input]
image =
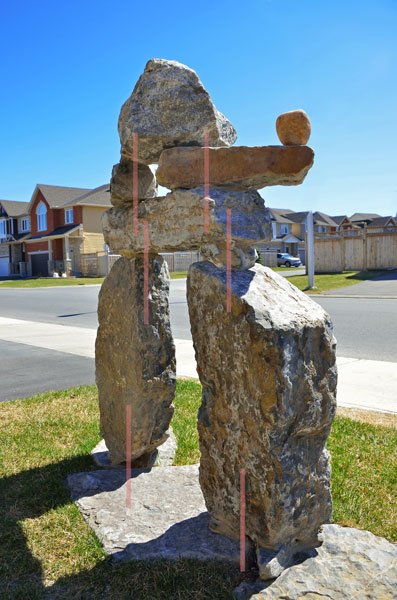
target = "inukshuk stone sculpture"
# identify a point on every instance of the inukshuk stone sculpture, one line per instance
(266, 360)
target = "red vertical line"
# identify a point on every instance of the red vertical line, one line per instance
(206, 183)
(128, 455)
(228, 260)
(135, 182)
(145, 272)
(242, 520)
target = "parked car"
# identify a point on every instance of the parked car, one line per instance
(286, 260)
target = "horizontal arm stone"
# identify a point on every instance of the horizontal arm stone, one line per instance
(237, 168)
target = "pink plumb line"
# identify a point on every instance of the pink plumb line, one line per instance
(206, 183)
(128, 448)
(242, 520)
(145, 272)
(228, 260)
(135, 182)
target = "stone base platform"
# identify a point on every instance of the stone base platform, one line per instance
(166, 519)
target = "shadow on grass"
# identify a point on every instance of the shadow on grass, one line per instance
(35, 492)
(365, 275)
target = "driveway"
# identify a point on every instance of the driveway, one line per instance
(47, 341)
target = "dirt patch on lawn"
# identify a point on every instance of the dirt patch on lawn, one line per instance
(369, 416)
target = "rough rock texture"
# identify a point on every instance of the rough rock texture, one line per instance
(163, 456)
(242, 256)
(176, 221)
(167, 518)
(237, 168)
(293, 127)
(122, 182)
(170, 107)
(268, 374)
(350, 564)
(135, 362)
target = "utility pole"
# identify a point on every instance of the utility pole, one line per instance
(310, 250)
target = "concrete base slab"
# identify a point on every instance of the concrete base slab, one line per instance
(165, 518)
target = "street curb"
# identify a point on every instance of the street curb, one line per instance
(352, 296)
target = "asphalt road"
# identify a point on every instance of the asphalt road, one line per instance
(364, 328)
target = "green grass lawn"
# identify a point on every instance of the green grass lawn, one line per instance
(332, 281)
(51, 282)
(47, 550)
(324, 283)
(287, 268)
(59, 282)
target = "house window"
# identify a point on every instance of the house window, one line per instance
(68, 215)
(321, 229)
(3, 228)
(24, 224)
(284, 229)
(274, 228)
(41, 213)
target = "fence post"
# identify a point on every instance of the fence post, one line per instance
(343, 250)
(106, 263)
(310, 249)
(365, 242)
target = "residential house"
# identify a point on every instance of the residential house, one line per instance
(64, 223)
(289, 230)
(373, 222)
(362, 219)
(343, 223)
(382, 225)
(14, 228)
(286, 234)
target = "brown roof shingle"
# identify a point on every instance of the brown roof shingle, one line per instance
(14, 208)
(58, 195)
(99, 196)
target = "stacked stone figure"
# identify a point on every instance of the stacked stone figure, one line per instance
(266, 364)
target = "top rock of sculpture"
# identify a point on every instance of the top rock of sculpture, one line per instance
(170, 107)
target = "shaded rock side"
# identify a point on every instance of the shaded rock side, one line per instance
(169, 107)
(135, 362)
(176, 221)
(237, 168)
(350, 564)
(268, 374)
(122, 183)
(162, 456)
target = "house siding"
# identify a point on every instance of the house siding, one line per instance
(92, 218)
(33, 217)
(37, 247)
(93, 242)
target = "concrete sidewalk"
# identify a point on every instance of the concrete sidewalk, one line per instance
(364, 384)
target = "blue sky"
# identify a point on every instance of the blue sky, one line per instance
(68, 66)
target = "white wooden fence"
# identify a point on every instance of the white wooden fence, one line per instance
(356, 251)
(98, 264)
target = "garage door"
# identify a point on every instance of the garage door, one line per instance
(39, 265)
(3, 266)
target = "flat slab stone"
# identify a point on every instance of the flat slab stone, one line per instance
(236, 168)
(167, 518)
(351, 563)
